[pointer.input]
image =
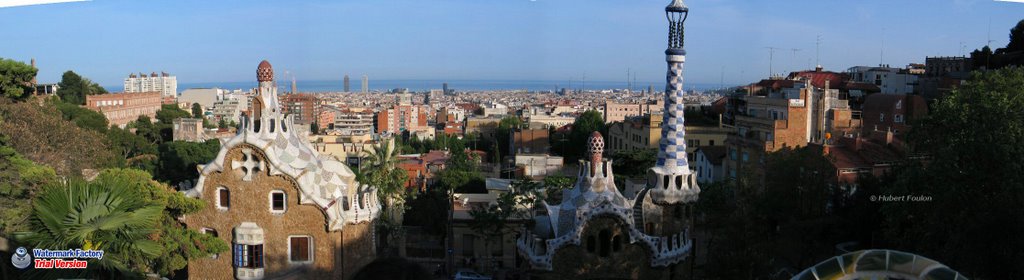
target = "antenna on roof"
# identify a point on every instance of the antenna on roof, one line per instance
(771, 56)
(881, 52)
(817, 51)
(794, 58)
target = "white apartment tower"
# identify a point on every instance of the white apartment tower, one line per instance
(164, 83)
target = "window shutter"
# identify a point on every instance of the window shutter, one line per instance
(300, 249)
(238, 255)
(225, 198)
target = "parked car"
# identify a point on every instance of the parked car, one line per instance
(466, 274)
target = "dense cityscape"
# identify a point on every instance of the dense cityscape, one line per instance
(869, 171)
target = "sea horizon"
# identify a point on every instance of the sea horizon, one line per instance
(422, 85)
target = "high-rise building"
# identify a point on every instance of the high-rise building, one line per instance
(164, 83)
(346, 83)
(302, 107)
(445, 88)
(402, 118)
(366, 84)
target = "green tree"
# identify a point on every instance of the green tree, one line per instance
(97, 215)
(759, 225)
(82, 117)
(973, 221)
(634, 163)
(553, 186)
(135, 151)
(74, 88)
(170, 112)
(494, 221)
(197, 110)
(428, 210)
(380, 170)
(178, 159)
(165, 121)
(40, 134)
(20, 179)
(222, 124)
(145, 127)
(1016, 38)
(574, 146)
(16, 79)
(126, 214)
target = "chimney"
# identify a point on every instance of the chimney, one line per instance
(857, 143)
(818, 68)
(888, 136)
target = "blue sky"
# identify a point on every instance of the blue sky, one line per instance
(223, 41)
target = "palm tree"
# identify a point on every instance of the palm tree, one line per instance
(380, 169)
(106, 216)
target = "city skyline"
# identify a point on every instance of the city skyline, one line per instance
(512, 40)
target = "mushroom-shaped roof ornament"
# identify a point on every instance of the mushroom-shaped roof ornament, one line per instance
(677, 6)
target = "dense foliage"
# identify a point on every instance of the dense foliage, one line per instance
(974, 222)
(573, 145)
(40, 134)
(74, 88)
(20, 179)
(127, 215)
(179, 160)
(16, 79)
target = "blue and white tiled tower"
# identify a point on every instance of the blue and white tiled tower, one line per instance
(671, 179)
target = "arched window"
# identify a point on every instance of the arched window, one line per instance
(679, 182)
(284, 128)
(272, 125)
(605, 240)
(256, 125)
(664, 183)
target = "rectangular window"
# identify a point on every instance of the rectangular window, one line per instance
(897, 118)
(248, 256)
(300, 249)
(223, 198)
(711, 142)
(746, 157)
(881, 117)
(277, 201)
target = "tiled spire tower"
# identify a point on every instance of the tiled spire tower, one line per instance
(671, 176)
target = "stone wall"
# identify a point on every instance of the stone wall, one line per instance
(630, 261)
(250, 202)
